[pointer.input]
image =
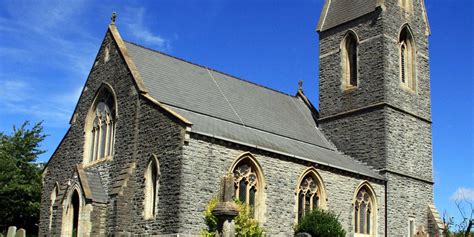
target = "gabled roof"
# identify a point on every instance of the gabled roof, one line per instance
(226, 107)
(337, 12)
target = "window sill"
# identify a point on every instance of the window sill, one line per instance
(99, 161)
(349, 89)
(407, 88)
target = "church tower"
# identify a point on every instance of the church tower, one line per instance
(375, 99)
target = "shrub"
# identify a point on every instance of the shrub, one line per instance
(245, 225)
(321, 223)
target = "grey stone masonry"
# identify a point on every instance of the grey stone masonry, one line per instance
(206, 160)
(382, 123)
(142, 130)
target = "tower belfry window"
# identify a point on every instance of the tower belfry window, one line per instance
(349, 61)
(407, 59)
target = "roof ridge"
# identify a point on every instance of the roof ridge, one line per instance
(208, 68)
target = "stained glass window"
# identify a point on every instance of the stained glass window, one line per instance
(308, 195)
(363, 212)
(103, 127)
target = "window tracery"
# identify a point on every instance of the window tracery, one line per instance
(246, 183)
(101, 131)
(364, 212)
(308, 196)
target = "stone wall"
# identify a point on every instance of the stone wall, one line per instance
(141, 130)
(206, 160)
(381, 123)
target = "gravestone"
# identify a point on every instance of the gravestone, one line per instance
(11, 231)
(21, 233)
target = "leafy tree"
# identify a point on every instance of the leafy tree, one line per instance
(20, 177)
(321, 223)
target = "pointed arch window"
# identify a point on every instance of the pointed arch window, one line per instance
(248, 182)
(310, 194)
(100, 128)
(152, 177)
(349, 61)
(407, 59)
(53, 197)
(364, 212)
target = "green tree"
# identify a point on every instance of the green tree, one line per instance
(20, 177)
(321, 223)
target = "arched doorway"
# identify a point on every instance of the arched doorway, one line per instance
(75, 212)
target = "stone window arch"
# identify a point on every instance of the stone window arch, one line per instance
(365, 211)
(152, 177)
(407, 55)
(310, 193)
(53, 197)
(100, 126)
(349, 60)
(249, 184)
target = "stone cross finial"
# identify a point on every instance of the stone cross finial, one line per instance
(300, 85)
(226, 210)
(114, 16)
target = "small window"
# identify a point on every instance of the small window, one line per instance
(152, 176)
(349, 61)
(411, 228)
(364, 212)
(407, 59)
(54, 195)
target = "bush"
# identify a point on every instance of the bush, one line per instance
(321, 223)
(245, 225)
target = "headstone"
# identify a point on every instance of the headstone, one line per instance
(421, 232)
(11, 231)
(21, 233)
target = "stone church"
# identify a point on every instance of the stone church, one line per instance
(152, 135)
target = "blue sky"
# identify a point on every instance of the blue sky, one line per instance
(47, 49)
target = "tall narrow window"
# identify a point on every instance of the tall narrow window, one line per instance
(349, 61)
(101, 126)
(152, 176)
(364, 212)
(54, 195)
(407, 59)
(309, 193)
(248, 184)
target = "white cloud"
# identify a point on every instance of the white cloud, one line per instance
(19, 97)
(462, 193)
(134, 22)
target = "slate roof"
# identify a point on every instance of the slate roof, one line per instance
(337, 12)
(96, 187)
(229, 108)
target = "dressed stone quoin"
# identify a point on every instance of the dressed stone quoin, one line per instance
(152, 136)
